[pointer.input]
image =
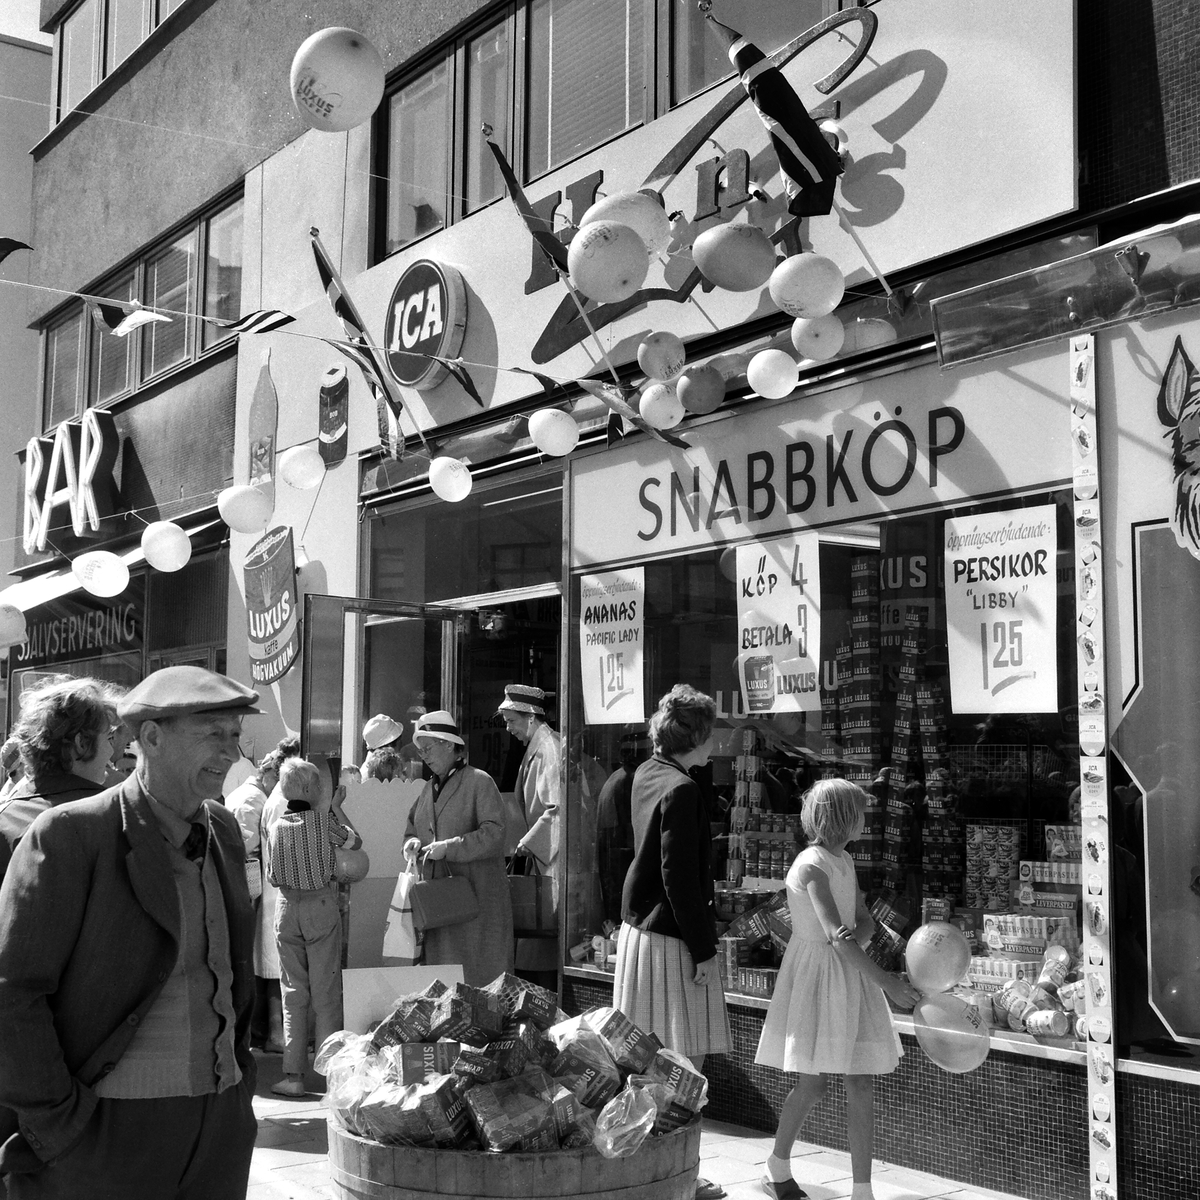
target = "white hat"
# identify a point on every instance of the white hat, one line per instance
(523, 698)
(437, 724)
(380, 730)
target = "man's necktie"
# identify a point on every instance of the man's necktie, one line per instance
(193, 847)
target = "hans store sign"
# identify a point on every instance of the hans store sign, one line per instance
(898, 444)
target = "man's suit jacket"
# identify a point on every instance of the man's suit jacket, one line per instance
(89, 933)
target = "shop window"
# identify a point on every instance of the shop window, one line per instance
(586, 76)
(941, 780)
(86, 364)
(498, 539)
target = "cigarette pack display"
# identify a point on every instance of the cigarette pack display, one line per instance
(419, 1060)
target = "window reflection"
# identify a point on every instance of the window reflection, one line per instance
(168, 286)
(487, 103)
(418, 154)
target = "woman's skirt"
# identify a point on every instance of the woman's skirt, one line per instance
(654, 989)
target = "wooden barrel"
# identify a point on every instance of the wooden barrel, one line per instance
(663, 1169)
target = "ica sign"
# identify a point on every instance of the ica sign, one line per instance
(427, 315)
(72, 469)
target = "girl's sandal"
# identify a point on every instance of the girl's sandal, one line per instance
(788, 1189)
(707, 1190)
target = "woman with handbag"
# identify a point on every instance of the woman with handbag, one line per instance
(456, 829)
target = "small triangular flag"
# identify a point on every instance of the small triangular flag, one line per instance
(8, 245)
(137, 318)
(107, 317)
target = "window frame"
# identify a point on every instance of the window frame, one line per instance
(87, 380)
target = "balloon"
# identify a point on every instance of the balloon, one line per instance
(301, 467)
(349, 866)
(701, 389)
(553, 431)
(818, 337)
(337, 79)
(12, 625)
(952, 1032)
(660, 406)
(773, 374)
(807, 285)
(738, 258)
(937, 957)
(245, 509)
(101, 572)
(450, 479)
(643, 214)
(866, 333)
(727, 565)
(662, 357)
(607, 262)
(166, 546)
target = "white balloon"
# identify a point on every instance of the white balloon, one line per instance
(166, 546)
(662, 356)
(337, 79)
(245, 509)
(660, 406)
(12, 625)
(738, 258)
(773, 374)
(818, 338)
(553, 431)
(450, 479)
(951, 1031)
(807, 285)
(607, 262)
(866, 333)
(643, 214)
(101, 573)
(301, 467)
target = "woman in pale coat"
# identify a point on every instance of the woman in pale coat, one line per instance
(459, 823)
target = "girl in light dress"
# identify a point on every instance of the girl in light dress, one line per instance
(828, 1014)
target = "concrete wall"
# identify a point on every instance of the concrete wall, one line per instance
(196, 108)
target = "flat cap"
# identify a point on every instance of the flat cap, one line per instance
(180, 691)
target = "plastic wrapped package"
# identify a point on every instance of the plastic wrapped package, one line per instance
(409, 1020)
(513, 1114)
(691, 1087)
(467, 1014)
(355, 1044)
(631, 1048)
(539, 1046)
(523, 1000)
(583, 1133)
(433, 1113)
(669, 1114)
(582, 1055)
(352, 1074)
(625, 1123)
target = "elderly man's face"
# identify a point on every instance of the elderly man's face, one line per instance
(187, 758)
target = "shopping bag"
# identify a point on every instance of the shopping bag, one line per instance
(445, 900)
(401, 940)
(532, 902)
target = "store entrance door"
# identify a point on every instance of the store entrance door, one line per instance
(408, 658)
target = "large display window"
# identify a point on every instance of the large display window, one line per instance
(974, 815)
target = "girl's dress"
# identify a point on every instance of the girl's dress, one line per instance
(825, 1016)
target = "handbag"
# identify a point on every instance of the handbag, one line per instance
(444, 900)
(254, 877)
(532, 899)
(400, 937)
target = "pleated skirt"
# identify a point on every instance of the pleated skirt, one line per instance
(654, 989)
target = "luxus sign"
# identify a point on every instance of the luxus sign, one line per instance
(71, 470)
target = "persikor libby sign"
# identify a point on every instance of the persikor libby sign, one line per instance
(895, 444)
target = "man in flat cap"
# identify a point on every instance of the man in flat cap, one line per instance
(126, 970)
(539, 793)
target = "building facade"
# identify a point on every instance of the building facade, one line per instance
(1024, 376)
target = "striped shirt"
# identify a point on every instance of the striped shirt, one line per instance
(302, 846)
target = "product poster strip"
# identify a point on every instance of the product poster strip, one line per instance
(1001, 611)
(271, 609)
(1097, 1024)
(611, 641)
(779, 624)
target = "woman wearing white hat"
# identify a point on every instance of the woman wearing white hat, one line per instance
(459, 819)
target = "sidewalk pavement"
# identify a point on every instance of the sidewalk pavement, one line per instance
(291, 1163)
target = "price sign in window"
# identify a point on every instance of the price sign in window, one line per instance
(611, 630)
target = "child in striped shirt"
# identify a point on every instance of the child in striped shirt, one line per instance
(308, 929)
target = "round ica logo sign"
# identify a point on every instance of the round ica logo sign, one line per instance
(427, 315)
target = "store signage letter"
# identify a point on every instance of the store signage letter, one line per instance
(73, 468)
(427, 315)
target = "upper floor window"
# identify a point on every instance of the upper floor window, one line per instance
(96, 37)
(553, 79)
(197, 271)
